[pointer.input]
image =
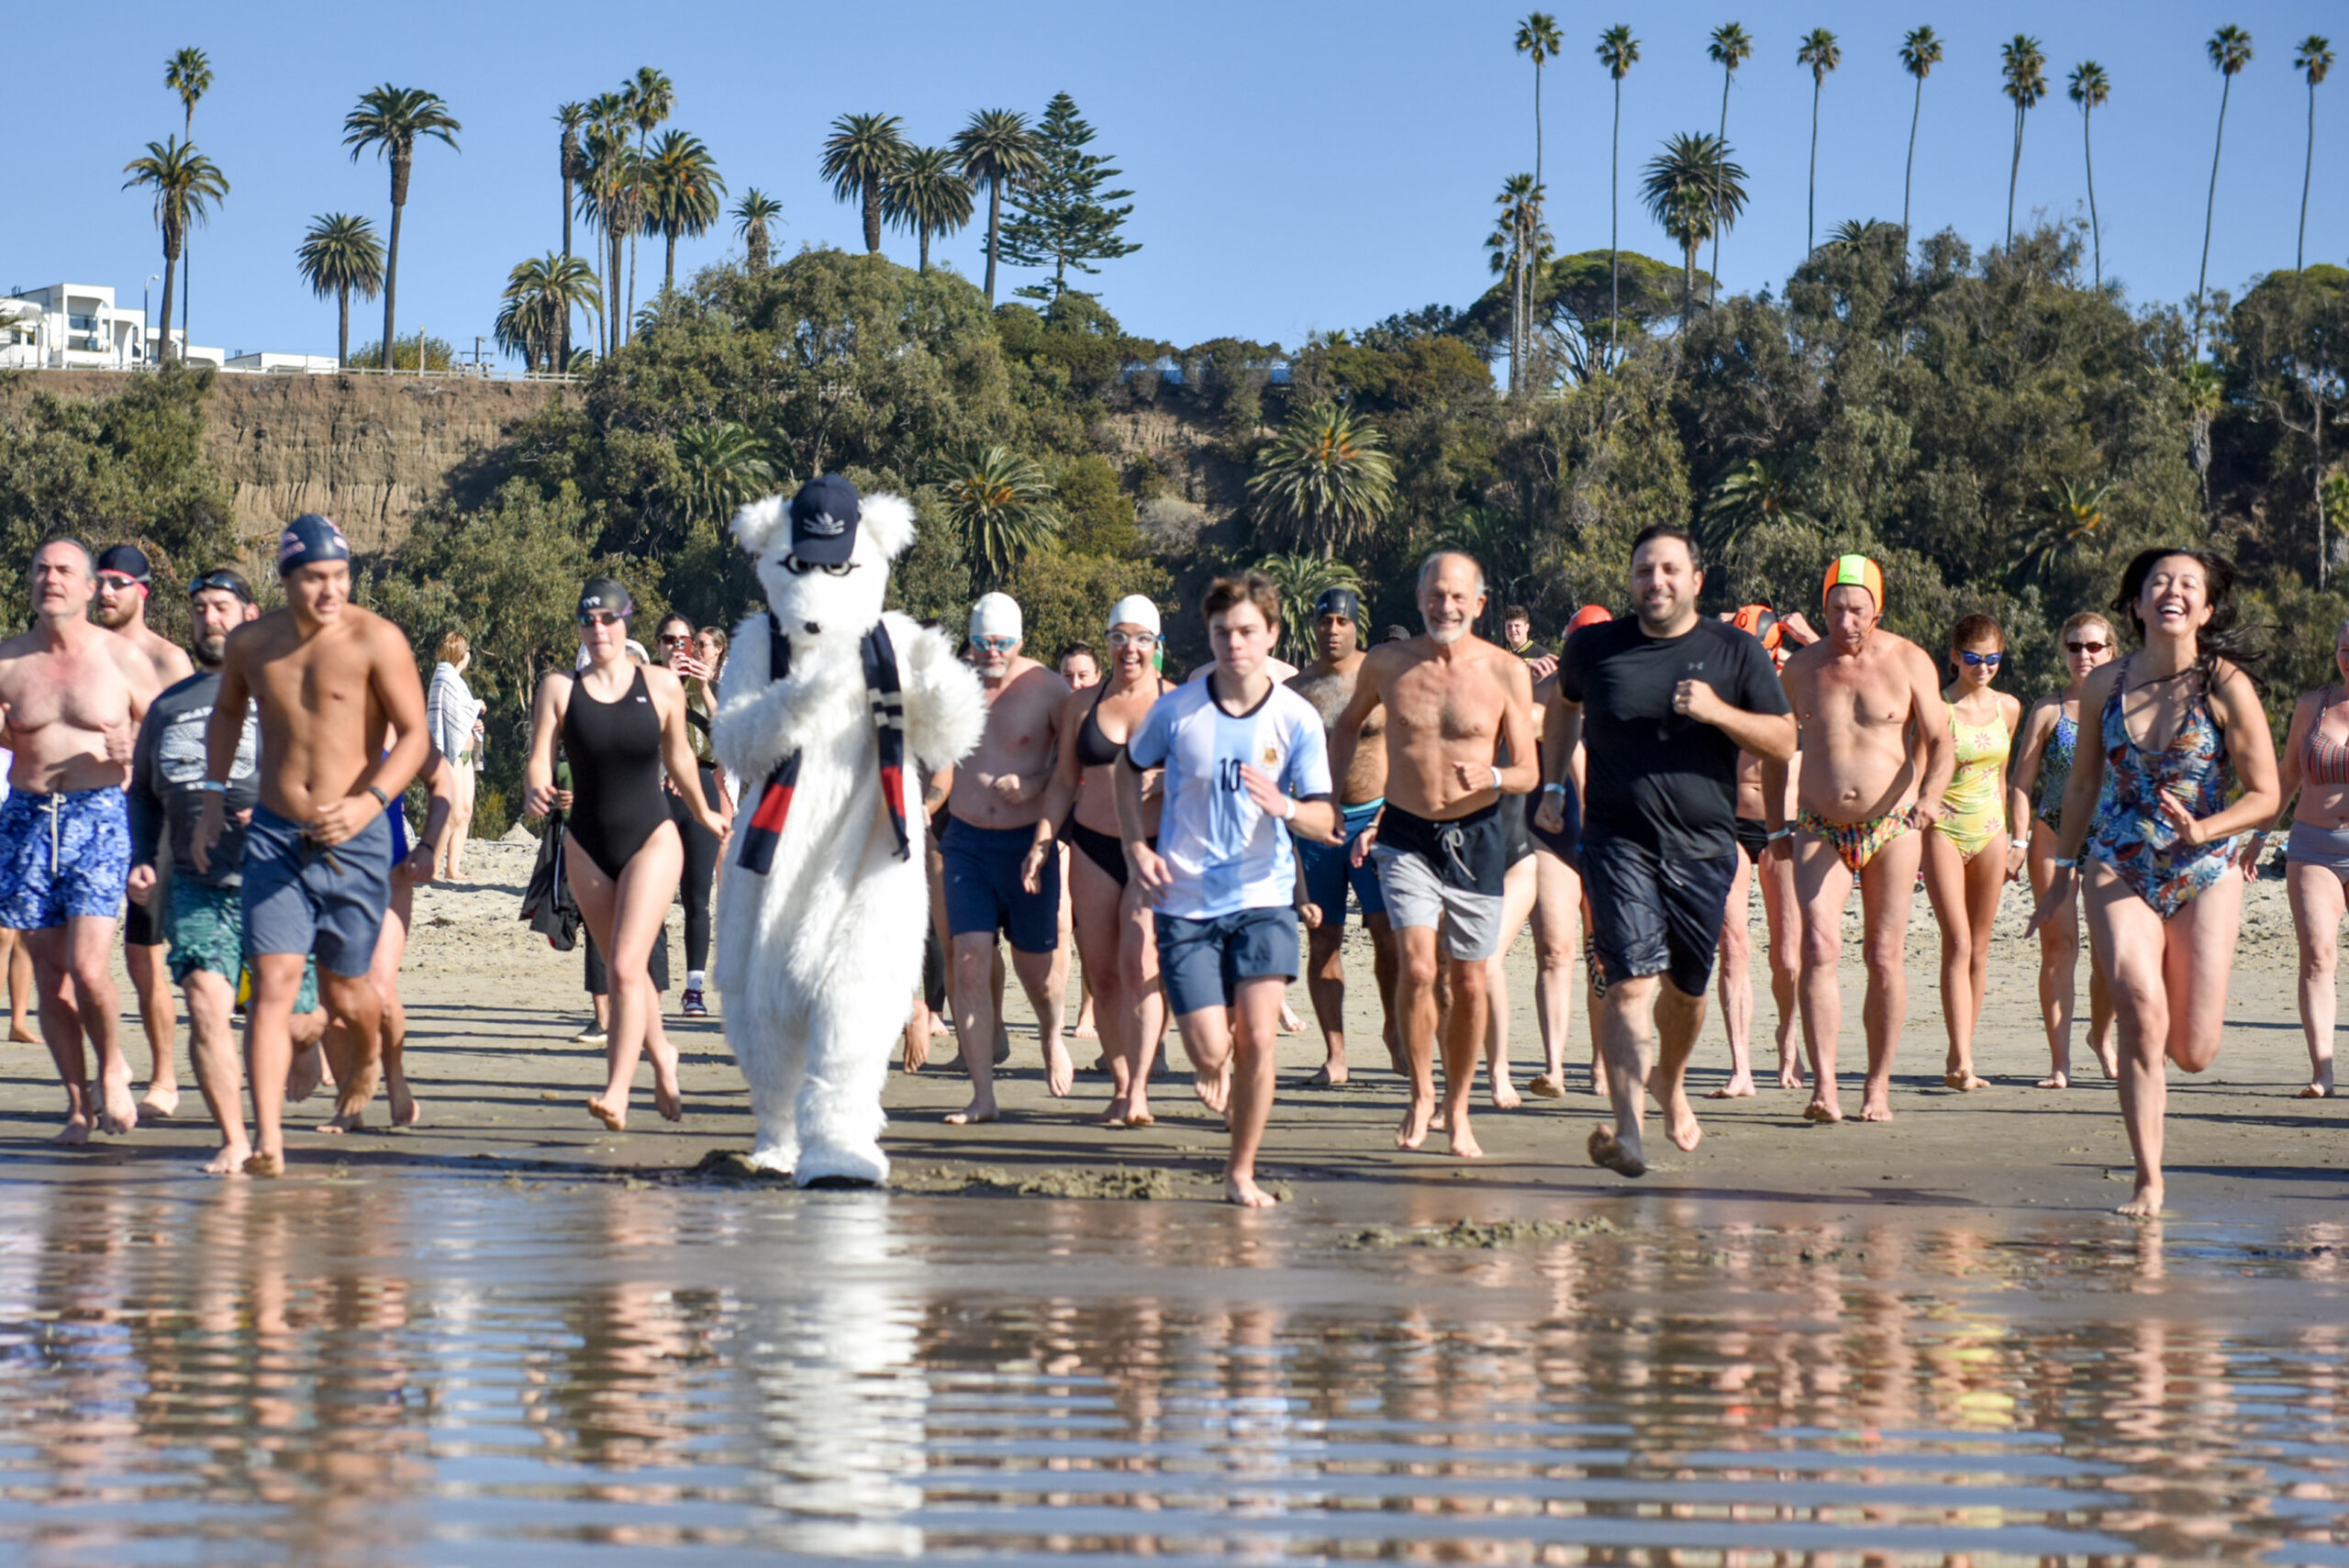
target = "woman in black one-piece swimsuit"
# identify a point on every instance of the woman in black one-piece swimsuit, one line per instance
(621, 725)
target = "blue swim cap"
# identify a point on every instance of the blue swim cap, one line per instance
(308, 540)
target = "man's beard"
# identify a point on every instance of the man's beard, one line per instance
(114, 619)
(1447, 638)
(209, 650)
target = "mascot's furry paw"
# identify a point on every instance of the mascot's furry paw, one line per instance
(838, 1167)
(781, 1159)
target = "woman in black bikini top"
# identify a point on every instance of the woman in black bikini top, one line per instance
(621, 725)
(1113, 930)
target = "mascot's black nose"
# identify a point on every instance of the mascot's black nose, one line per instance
(813, 629)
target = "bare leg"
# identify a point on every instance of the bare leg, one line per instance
(1557, 908)
(1946, 889)
(2059, 962)
(1620, 1026)
(1325, 982)
(21, 986)
(1256, 1005)
(624, 918)
(1822, 886)
(1785, 924)
(357, 1009)
(460, 820)
(1520, 887)
(1415, 1003)
(219, 1069)
(1463, 1026)
(89, 949)
(1141, 1000)
(390, 951)
(1044, 977)
(268, 1050)
(1737, 983)
(1888, 890)
(973, 994)
(61, 1026)
(150, 981)
(2130, 941)
(1098, 903)
(2317, 905)
(1385, 963)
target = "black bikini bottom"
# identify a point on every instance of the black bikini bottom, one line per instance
(1104, 849)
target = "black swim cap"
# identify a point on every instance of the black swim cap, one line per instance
(1338, 602)
(127, 560)
(307, 540)
(608, 596)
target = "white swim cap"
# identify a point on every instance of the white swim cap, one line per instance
(997, 615)
(1135, 609)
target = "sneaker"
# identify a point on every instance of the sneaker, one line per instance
(591, 1035)
(694, 1006)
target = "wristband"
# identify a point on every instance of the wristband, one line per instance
(1288, 808)
(376, 790)
(1553, 789)
(1496, 781)
(1779, 834)
(212, 787)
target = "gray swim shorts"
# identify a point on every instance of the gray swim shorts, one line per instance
(302, 896)
(1444, 875)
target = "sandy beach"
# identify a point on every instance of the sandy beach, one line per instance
(491, 1011)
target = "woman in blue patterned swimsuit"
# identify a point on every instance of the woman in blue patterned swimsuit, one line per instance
(2181, 723)
(2044, 750)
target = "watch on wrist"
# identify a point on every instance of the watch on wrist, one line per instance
(377, 791)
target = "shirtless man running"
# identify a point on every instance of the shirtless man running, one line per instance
(124, 579)
(1874, 737)
(73, 695)
(333, 683)
(990, 823)
(1329, 869)
(1454, 702)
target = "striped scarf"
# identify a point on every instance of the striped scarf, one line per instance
(765, 830)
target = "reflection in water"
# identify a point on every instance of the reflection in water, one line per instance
(428, 1370)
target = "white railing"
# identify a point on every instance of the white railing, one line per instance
(460, 373)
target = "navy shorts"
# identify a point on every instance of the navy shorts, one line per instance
(300, 896)
(1202, 962)
(1330, 870)
(1652, 914)
(983, 891)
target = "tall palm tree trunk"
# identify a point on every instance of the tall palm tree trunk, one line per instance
(2095, 229)
(1524, 280)
(1726, 74)
(1687, 283)
(668, 268)
(2210, 207)
(872, 217)
(2300, 251)
(392, 288)
(995, 227)
(2014, 173)
(1811, 212)
(171, 270)
(342, 326)
(924, 230)
(1909, 174)
(187, 287)
(1614, 252)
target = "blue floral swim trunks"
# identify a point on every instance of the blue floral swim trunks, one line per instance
(62, 856)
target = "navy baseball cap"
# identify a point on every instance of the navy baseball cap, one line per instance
(1338, 602)
(823, 520)
(128, 561)
(307, 540)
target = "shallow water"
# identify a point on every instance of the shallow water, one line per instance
(429, 1368)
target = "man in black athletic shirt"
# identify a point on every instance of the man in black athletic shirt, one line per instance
(1664, 700)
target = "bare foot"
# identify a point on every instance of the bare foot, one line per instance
(75, 1132)
(1245, 1192)
(1876, 1105)
(1789, 1074)
(1414, 1128)
(2314, 1092)
(1823, 1109)
(160, 1101)
(1608, 1149)
(667, 1097)
(1505, 1095)
(228, 1162)
(1547, 1086)
(1002, 1043)
(2054, 1081)
(1084, 1030)
(20, 1035)
(2146, 1205)
(121, 1112)
(2108, 1062)
(1329, 1076)
(266, 1163)
(1060, 1071)
(307, 1071)
(917, 1051)
(972, 1115)
(1290, 1022)
(614, 1120)
(1462, 1137)
(1680, 1124)
(1213, 1089)
(1141, 1119)
(344, 1121)
(1961, 1078)
(1739, 1087)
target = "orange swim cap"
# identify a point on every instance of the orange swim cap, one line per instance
(1855, 572)
(1761, 623)
(1590, 615)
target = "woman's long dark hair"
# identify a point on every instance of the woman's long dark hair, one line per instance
(2220, 637)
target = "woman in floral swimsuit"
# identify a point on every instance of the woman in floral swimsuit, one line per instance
(2146, 808)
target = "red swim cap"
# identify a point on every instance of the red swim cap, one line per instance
(1590, 615)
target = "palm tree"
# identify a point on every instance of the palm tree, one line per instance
(611, 196)
(683, 194)
(751, 215)
(2229, 50)
(1536, 36)
(189, 74)
(1729, 48)
(927, 197)
(651, 97)
(1619, 51)
(859, 156)
(1759, 490)
(722, 466)
(341, 256)
(1920, 52)
(1823, 54)
(389, 119)
(2025, 74)
(2314, 59)
(997, 147)
(574, 164)
(2203, 390)
(1003, 506)
(185, 183)
(1520, 244)
(1302, 580)
(1324, 478)
(1693, 191)
(2072, 518)
(541, 294)
(2091, 88)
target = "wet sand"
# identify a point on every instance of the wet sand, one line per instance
(492, 1010)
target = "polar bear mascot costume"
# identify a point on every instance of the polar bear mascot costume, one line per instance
(829, 711)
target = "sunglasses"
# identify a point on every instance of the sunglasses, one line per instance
(116, 581)
(1981, 661)
(2086, 647)
(799, 568)
(601, 617)
(1142, 640)
(674, 641)
(994, 644)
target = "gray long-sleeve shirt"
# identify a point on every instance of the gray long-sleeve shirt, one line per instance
(167, 768)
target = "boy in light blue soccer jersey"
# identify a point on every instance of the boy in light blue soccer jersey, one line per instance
(1245, 764)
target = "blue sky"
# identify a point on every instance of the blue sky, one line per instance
(1297, 166)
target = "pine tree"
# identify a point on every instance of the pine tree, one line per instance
(1064, 218)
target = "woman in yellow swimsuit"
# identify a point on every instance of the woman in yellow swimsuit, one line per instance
(1969, 855)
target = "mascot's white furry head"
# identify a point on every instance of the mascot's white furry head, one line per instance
(826, 575)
